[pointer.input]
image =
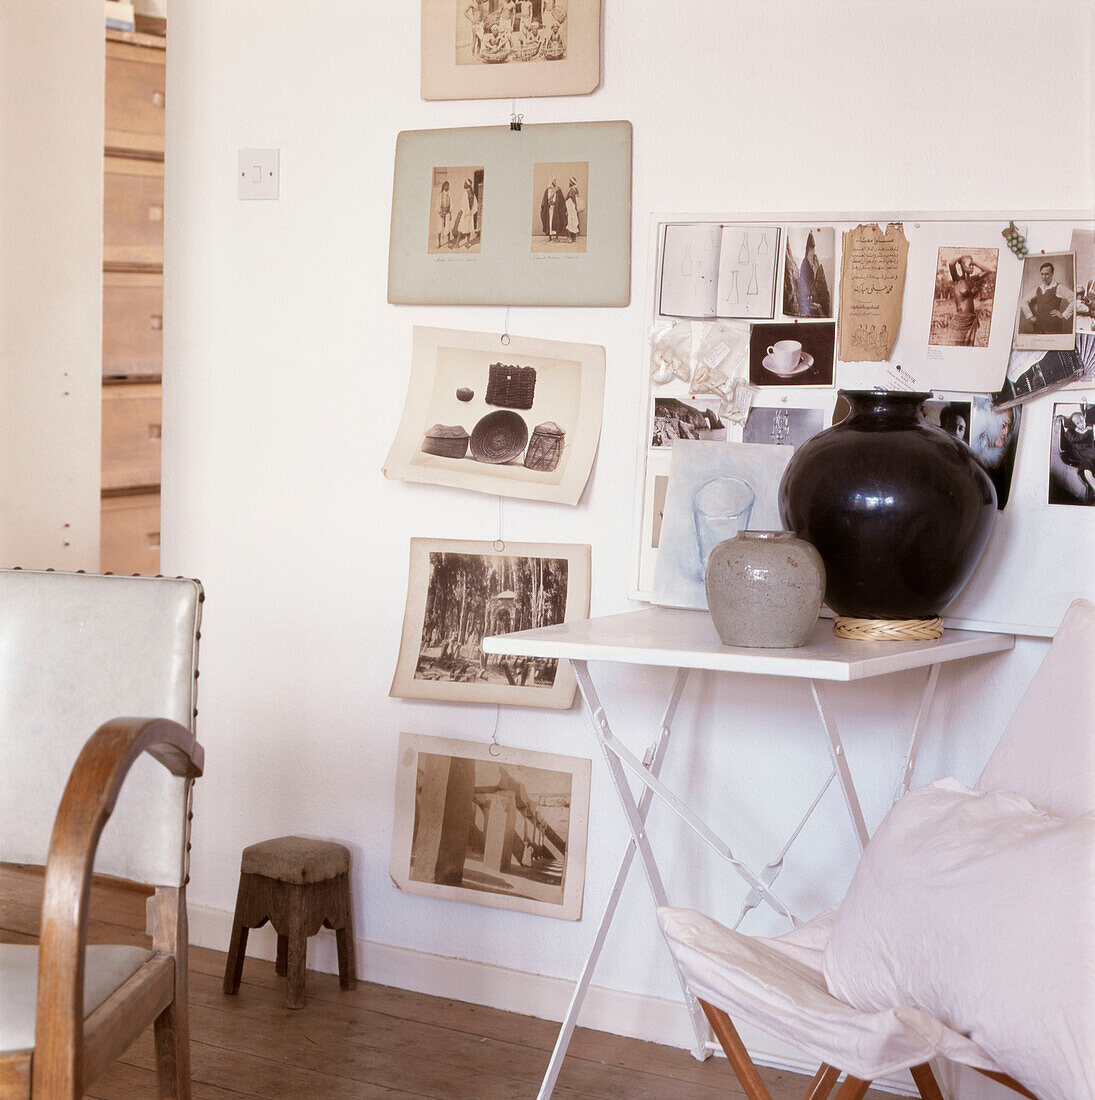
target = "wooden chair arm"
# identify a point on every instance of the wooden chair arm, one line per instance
(88, 800)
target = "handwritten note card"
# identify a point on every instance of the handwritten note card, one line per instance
(872, 281)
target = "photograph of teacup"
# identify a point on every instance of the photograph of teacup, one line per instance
(784, 355)
(796, 354)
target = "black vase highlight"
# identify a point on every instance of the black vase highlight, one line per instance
(899, 509)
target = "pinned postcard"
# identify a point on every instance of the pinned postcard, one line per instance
(872, 282)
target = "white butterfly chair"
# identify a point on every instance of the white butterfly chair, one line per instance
(76, 650)
(1047, 757)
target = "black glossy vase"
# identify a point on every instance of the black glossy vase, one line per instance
(899, 509)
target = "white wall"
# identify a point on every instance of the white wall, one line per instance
(51, 262)
(285, 372)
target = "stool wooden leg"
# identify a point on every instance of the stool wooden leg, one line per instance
(297, 949)
(344, 937)
(347, 967)
(233, 967)
(283, 956)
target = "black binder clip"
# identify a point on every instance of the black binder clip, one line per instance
(515, 122)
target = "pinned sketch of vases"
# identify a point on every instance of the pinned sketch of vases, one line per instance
(743, 254)
(731, 297)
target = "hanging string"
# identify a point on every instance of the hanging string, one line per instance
(494, 748)
(500, 542)
(505, 329)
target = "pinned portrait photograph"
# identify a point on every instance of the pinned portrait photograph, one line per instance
(965, 289)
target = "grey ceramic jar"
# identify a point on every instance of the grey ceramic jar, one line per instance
(764, 589)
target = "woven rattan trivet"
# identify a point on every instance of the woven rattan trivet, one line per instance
(888, 630)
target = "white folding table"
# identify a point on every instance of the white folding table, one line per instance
(686, 640)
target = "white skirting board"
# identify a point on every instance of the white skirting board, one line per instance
(652, 1019)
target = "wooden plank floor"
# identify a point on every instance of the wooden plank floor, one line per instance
(374, 1041)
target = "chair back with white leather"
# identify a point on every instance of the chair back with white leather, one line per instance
(76, 650)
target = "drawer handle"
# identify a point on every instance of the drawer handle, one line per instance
(155, 431)
(153, 540)
(155, 213)
(156, 322)
(157, 99)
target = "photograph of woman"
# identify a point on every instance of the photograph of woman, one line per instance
(559, 211)
(965, 287)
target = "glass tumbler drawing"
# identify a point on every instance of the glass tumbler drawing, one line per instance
(721, 508)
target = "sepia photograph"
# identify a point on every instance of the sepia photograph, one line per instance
(559, 206)
(456, 209)
(460, 592)
(511, 32)
(965, 288)
(524, 240)
(496, 49)
(792, 355)
(1083, 246)
(1072, 454)
(1046, 317)
(491, 825)
(518, 420)
(809, 266)
(695, 417)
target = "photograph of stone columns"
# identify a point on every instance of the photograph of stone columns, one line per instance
(501, 830)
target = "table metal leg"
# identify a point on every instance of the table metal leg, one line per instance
(918, 730)
(840, 763)
(637, 825)
(655, 754)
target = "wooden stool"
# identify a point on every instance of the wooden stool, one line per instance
(298, 885)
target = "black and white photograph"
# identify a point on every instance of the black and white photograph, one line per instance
(809, 271)
(965, 290)
(1085, 350)
(487, 49)
(1046, 317)
(952, 416)
(1032, 373)
(456, 210)
(491, 825)
(560, 205)
(781, 425)
(1072, 454)
(513, 226)
(994, 438)
(792, 355)
(461, 592)
(695, 417)
(517, 420)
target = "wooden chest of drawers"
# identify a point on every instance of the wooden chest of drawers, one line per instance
(133, 217)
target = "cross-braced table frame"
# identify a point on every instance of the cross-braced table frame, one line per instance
(687, 641)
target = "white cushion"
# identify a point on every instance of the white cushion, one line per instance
(106, 967)
(979, 909)
(778, 986)
(1047, 752)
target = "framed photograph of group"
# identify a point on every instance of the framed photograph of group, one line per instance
(493, 216)
(510, 49)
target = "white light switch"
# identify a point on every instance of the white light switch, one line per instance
(257, 174)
